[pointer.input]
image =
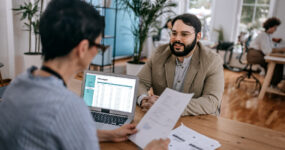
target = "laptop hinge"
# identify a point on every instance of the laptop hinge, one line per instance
(105, 110)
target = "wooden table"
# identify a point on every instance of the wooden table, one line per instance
(231, 134)
(272, 60)
(277, 55)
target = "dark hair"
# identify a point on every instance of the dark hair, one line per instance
(65, 23)
(169, 20)
(271, 22)
(189, 19)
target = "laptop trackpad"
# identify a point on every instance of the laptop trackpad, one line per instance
(102, 126)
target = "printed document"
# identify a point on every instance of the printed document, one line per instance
(184, 138)
(161, 117)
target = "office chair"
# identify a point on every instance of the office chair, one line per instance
(248, 76)
(228, 47)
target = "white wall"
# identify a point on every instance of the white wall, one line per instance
(225, 15)
(279, 13)
(20, 39)
(13, 39)
(3, 41)
(6, 40)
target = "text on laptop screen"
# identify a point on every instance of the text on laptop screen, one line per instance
(109, 92)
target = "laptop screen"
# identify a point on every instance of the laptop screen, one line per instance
(109, 92)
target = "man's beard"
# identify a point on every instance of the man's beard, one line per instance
(186, 50)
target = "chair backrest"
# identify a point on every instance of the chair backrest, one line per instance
(243, 58)
(247, 42)
(225, 46)
(253, 56)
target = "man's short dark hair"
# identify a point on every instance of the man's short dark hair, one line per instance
(190, 20)
(271, 22)
(65, 23)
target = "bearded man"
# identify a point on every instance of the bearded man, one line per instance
(184, 65)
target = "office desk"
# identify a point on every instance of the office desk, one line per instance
(272, 60)
(231, 134)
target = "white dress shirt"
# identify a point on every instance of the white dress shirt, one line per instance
(262, 42)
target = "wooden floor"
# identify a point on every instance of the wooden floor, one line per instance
(242, 104)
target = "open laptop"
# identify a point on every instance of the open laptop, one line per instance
(110, 97)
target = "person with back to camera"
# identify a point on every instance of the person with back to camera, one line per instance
(262, 45)
(186, 66)
(38, 111)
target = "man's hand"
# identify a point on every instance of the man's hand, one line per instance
(117, 135)
(160, 144)
(148, 101)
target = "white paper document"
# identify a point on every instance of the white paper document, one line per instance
(161, 117)
(184, 138)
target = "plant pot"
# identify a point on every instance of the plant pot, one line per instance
(32, 59)
(134, 69)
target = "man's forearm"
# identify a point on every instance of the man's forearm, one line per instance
(201, 106)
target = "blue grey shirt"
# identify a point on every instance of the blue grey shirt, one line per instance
(40, 113)
(180, 73)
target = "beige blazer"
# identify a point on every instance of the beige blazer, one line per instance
(204, 78)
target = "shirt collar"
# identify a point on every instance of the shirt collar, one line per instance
(185, 62)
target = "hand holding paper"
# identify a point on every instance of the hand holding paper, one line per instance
(161, 118)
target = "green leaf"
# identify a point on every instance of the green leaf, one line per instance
(147, 12)
(29, 11)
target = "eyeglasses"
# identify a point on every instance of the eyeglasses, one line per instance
(100, 47)
(174, 34)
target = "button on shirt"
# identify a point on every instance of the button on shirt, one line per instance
(180, 73)
(40, 113)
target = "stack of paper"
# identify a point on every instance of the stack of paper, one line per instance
(184, 138)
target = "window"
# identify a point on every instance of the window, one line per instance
(254, 13)
(202, 9)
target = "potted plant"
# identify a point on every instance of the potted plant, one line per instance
(146, 14)
(30, 14)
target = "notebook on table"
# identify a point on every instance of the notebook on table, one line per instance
(110, 97)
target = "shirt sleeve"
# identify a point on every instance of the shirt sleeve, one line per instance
(140, 98)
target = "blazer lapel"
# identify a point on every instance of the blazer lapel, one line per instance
(170, 70)
(192, 70)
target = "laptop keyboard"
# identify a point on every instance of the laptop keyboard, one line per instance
(108, 119)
